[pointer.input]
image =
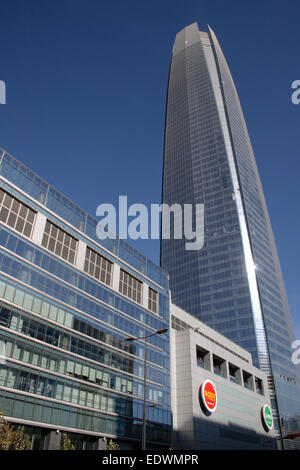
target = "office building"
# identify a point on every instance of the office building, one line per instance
(68, 301)
(236, 420)
(234, 283)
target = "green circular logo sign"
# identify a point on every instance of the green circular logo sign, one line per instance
(267, 417)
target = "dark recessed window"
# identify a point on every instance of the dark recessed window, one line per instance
(259, 386)
(247, 379)
(219, 365)
(203, 359)
(233, 373)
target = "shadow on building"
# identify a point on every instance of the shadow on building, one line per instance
(203, 435)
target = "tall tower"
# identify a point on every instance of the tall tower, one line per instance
(234, 283)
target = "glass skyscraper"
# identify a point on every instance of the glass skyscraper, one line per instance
(234, 283)
(68, 301)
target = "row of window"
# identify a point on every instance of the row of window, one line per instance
(65, 272)
(86, 325)
(27, 354)
(33, 409)
(20, 217)
(37, 384)
(228, 370)
(19, 322)
(18, 378)
(53, 361)
(42, 192)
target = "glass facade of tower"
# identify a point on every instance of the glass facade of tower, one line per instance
(67, 303)
(234, 283)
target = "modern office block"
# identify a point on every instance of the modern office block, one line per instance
(200, 354)
(234, 283)
(67, 303)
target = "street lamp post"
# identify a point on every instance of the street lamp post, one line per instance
(132, 338)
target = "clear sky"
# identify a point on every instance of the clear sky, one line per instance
(86, 91)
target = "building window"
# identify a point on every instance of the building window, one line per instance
(247, 379)
(203, 359)
(153, 300)
(59, 242)
(98, 266)
(219, 366)
(259, 386)
(234, 374)
(130, 286)
(16, 214)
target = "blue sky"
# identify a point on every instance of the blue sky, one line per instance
(86, 90)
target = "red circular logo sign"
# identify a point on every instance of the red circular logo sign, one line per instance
(209, 396)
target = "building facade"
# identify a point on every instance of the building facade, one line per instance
(200, 355)
(234, 283)
(67, 303)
